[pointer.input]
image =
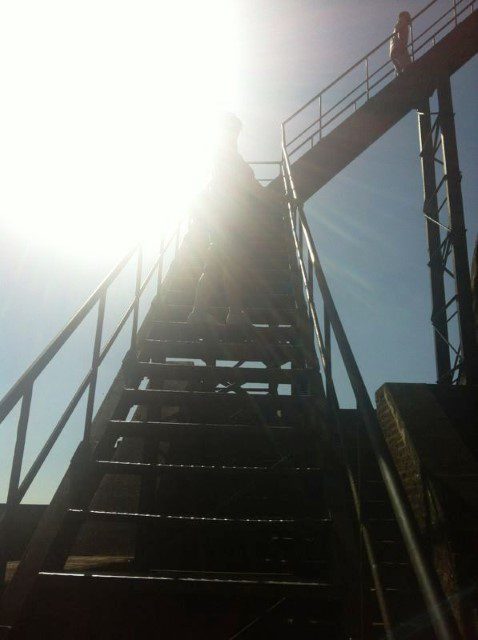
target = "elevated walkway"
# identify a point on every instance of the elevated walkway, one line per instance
(377, 115)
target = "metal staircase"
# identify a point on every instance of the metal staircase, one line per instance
(251, 502)
(233, 530)
(239, 502)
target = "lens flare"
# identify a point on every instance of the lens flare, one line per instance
(108, 116)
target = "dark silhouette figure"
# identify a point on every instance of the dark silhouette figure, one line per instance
(226, 217)
(399, 42)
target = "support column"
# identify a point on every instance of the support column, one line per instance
(469, 347)
(430, 208)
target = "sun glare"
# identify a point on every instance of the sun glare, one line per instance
(108, 116)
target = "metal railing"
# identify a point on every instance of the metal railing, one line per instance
(311, 271)
(306, 126)
(22, 390)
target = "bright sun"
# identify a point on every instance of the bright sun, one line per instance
(107, 121)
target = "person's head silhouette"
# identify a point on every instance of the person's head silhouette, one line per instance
(404, 16)
(229, 130)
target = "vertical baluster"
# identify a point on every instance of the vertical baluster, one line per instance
(94, 366)
(310, 279)
(17, 462)
(137, 295)
(455, 16)
(310, 284)
(320, 117)
(160, 266)
(412, 43)
(367, 83)
(300, 235)
(328, 354)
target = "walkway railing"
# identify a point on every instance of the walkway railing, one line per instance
(306, 126)
(22, 390)
(312, 272)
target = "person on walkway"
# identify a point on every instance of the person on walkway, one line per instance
(229, 216)
(399, 42)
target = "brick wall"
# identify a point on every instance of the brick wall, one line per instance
(440, 475)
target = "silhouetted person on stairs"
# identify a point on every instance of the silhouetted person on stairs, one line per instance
(399, 42)
(229, 216)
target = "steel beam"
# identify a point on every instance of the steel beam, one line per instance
(448, 254)
(469, 347)
(439, 321)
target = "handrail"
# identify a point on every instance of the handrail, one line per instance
(417, 43)
(442, 619)
(14, 394)
(22, 389)
(41, 457)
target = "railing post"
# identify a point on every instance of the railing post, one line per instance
(17, 462)
(412, 43)
(300, 234)
(160, 266)
(139, 269)
(310, 279)
(454, 13)
(320, 117)
(94, 366)
(328, 355)
(367, 83)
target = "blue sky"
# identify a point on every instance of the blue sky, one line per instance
(275, 55)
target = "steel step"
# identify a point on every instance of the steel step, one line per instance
(171, 371)
(189, 332)
(112, 466)
(254, 285)
(228, 351)
(185, 276)
(257, 315)
(251, 300)
(302, 526)
(214, 584)
(160, 397)
(180, 430)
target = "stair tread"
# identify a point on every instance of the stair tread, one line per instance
(267, 299)
(191, 331)
(172, 395)
(257, 315)
(249, 351)
(98, 513)
(193, 582)
(176, 426)
(246, 374)
(201, 468)
(239, 435)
